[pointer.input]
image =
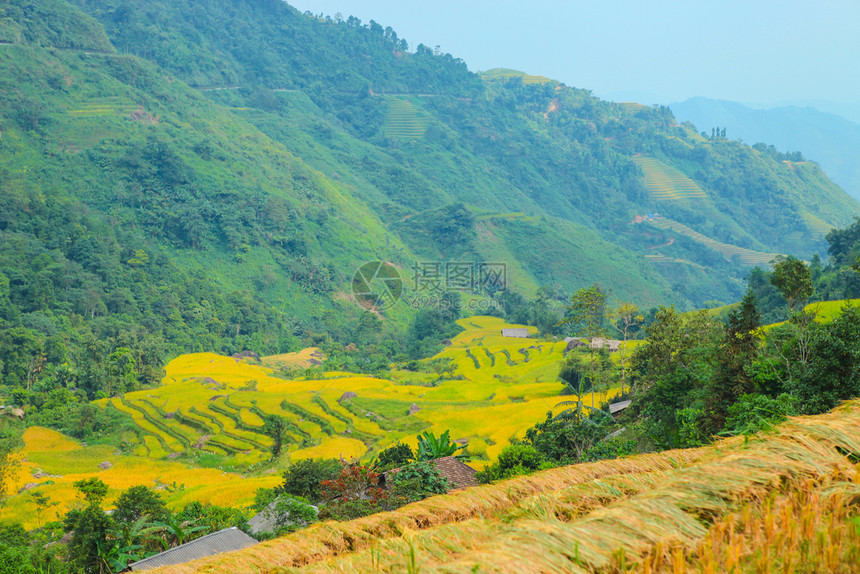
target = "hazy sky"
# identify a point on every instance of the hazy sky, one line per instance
(754, 51)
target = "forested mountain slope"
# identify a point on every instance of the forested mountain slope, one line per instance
(191, 176)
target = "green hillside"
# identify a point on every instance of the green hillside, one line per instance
(184, 180)
(665, 182)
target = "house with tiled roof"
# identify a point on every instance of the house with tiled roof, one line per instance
(458, 473)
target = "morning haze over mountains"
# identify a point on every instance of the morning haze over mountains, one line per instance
(260, 266)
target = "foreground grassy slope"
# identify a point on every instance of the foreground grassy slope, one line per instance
(784, 501)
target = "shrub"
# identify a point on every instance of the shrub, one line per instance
(139, 501)
(305, 477)
(15, 561)
(395, 456)
(416, 482)
(514, 460)
(566, 438)
(754, 413)
(209, 518)
(290, 513)
(354, 493)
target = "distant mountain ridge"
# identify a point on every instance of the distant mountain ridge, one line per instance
(829, 139)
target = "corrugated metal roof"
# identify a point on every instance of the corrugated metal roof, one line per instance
(518, 333)
(618, 407)
(225, 540)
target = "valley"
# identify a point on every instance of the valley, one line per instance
(288, 279)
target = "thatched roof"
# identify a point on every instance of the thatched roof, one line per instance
(458, 473)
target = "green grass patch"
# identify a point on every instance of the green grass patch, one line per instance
(474, 358)
(491, 356)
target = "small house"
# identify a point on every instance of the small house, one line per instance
(616, 408)
(598, 343)
(516, 333)
(458, 473)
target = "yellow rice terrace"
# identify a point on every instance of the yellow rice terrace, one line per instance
(485, 388)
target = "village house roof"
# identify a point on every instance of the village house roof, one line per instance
(225, 540)
(601, 343)
(618, 407)
(458, 473)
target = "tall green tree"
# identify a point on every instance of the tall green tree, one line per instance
(138, 502)
(793, 278)
(275, 427)
(586, 314)
(740, 348)
(122, 372)
(673, 370)
(90, 546)
(626, 319)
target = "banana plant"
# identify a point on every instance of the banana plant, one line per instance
(431, 448)
(176, 532)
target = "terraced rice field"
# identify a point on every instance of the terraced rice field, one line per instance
(51, 463)
(304, 359)
(665, 183)
(208, 403)
(785, 501)
(504, 74)
(403, 120)
(746, 256)
(657, 258)
(107, 106)
(816, 225)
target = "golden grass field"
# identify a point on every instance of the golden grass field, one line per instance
(785, 501)
(209, 403)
